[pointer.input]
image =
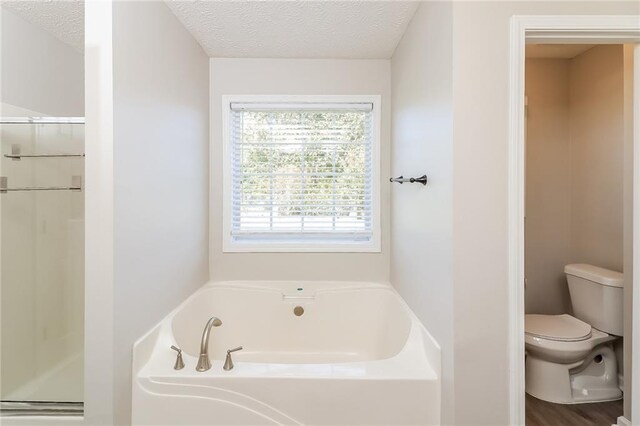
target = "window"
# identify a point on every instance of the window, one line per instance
(301, 174)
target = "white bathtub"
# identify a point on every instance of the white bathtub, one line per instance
(357, 356)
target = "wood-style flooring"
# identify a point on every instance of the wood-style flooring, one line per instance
(543, 413)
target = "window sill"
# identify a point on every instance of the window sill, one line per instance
(300, 247)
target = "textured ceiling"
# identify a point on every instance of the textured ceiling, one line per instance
(556, 51)
(296, 29)
(63, 19)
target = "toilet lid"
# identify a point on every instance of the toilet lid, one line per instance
(557, 327)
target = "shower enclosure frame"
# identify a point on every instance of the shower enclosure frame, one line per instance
(30, 409)
(560, 29)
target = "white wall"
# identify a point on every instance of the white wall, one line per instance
(597, 156)
(39, 72)
(548, 186)
(297, 77)
(160, 125)
(99, 253)
(575, 165)
(479, 193)
(481, 115)
(421, 217)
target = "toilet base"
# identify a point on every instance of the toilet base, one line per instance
(594, 379)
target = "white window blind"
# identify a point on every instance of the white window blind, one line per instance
(301, 172)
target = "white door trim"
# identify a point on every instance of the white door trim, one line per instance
(558, 29)
(635, 345)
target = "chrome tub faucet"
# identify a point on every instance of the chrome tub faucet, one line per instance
(203, 361)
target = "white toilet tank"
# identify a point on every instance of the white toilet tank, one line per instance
(596, 296)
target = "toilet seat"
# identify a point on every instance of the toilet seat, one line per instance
(563, 328)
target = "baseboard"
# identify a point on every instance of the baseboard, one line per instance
(622, 421)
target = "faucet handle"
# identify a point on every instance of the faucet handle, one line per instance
(228, 362)
(179, 365)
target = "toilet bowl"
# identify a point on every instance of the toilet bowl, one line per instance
(568, 361)
(571, 361)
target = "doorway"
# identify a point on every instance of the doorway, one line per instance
(576, 212)
(561, 30)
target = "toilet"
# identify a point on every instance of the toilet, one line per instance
(570, 359)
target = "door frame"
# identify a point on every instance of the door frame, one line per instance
(566, 29)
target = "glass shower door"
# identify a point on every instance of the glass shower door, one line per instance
(42, 265)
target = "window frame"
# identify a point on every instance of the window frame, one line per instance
(230, 245)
